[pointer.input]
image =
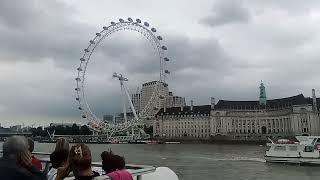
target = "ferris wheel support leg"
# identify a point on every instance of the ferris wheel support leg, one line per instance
(124, 102)
(130, 103)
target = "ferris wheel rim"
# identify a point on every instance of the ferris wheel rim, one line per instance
(122, 25)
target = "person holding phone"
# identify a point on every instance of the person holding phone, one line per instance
(79, 163)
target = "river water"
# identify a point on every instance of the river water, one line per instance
(205, 161)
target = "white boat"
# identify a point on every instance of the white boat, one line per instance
(139, 172)
(305, 150)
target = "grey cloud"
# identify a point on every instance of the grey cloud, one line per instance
(292, 7)
(227, 12)
(38, 60)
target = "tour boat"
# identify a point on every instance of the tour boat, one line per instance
(304, 150)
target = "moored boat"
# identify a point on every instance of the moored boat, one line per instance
(304, 150)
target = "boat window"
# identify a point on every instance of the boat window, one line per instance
(293, 148)
(308, 149)
(280, 148)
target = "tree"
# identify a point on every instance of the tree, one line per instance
(148, 130)
(75, 129)
(84, 130)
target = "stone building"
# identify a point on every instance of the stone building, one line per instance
(242, 120)
(279, 117)
(183, 122)
(296, 115)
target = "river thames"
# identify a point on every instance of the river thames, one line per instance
(205, 161)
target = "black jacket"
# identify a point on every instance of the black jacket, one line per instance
(10, 171)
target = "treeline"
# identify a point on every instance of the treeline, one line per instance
(73, 130)
(61, 130)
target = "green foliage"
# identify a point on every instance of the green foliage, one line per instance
(62, 130)
(148, 130)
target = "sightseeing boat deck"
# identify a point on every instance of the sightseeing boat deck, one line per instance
(138, 172)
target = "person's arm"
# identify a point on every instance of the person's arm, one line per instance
(62, 172)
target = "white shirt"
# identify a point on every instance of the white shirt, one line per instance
(52, 174)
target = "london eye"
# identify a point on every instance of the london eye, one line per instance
(149, 33)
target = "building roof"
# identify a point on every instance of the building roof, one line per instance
(310, 101)
(271, 104)
(204, 109)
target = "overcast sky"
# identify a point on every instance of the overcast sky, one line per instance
(218, 48)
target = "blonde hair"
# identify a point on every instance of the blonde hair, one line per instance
(16, 147)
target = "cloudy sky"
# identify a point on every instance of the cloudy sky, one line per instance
(218, 48)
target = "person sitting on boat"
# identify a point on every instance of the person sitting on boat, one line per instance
(62, 143)
(79, 163)
(16, 162)
(114, 166)
(35, 161)
(58, 159)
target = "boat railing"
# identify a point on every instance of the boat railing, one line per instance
(136, 170)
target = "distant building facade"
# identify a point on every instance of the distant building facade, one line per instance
(136, 101)
(242, 120)
(147, 92)
(279, 117)
(174, 101)
(145, 99)
(183, 122)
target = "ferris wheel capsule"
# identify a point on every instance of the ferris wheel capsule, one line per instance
(84, 116)
(78, 79)
(159, 38)
(77, 89)
(105, 27)
(166, 59)
(80, 108)
(113, 23)
(86, 50)
(121, 20)
(79, 69)
(91, 42)
(77, 99)
(153, 29)
(164, 47)
(130, 19)
(138, 20)
(146, 24)
(167, 71)
(82, 59)
(98, 34)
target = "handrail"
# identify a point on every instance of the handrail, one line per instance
(35, 153)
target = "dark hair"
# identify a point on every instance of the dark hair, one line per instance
(31, 144)
(112, 162)
(58, 157)
(80, 157)
(62, 143)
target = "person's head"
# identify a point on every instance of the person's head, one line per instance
(30, 144)
(16, 147)
(112, 162)
(62, 143)
(59, 158)
(79, 159)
